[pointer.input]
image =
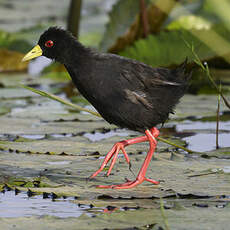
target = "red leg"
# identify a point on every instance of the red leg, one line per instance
(150, 136)
(113, 153)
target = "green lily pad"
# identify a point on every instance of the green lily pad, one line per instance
(45, 147)
(12, 80)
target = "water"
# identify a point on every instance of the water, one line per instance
(204, 134)
(21, 205)
(59, 162)
(98, 136)
(201, 135)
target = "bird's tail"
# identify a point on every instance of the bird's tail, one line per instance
(182, 72)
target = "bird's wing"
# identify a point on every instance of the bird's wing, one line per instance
(143, 76)
(158, 81)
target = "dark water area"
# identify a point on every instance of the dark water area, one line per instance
(21, 205)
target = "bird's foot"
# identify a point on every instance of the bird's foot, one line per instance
(113, 153)
(128, 184)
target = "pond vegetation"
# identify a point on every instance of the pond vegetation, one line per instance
(48, 149)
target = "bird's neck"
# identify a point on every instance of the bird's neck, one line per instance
(79, 63)
(75, 56)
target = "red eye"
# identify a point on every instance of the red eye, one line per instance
(49, 43)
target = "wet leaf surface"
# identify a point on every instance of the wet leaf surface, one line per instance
(50, 151)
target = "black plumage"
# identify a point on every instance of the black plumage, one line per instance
(127, 93)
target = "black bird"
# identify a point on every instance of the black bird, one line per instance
(125, 92)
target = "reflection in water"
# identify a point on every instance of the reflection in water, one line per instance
(204, 138)
(202, 142)
(98, 136)
(12, 205)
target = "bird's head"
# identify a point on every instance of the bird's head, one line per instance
(54, 43)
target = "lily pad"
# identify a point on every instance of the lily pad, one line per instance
(198, 106)
(13, 80)
(45, 148)
(13, 93)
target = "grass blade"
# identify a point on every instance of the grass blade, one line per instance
(218, 120)
(165, 220)
(205, 68)
(56, 98)
(79, 108)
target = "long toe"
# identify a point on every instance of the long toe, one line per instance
(129, 184)
(112, 155)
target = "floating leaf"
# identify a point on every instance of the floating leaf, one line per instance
(79, 108)
(13, 93)
(56, 98)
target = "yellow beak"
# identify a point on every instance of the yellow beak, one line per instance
(35, 52)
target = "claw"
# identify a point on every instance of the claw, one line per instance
(113, 161)
(129, 184)
(113, 154)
